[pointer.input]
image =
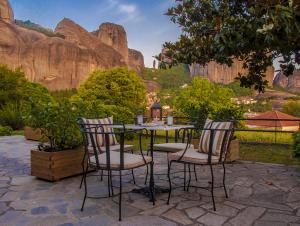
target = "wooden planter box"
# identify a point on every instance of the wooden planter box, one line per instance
(33, 134)
(233, 153)
(53, 166)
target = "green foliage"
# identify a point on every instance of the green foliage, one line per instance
(296, 144)
(5, 131)
(11, 116)
(16, 94)
(117, 91)
(255, 32)
(36, 27)
(62, 94)
(11, 85)
(238, 90)
(58, 123)
(259, 106)
(203, 99)
(169, 78)
(292, 108)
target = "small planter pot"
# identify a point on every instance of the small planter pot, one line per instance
(54, 166)
(33, 134)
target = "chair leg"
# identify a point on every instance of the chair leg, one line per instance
(152, 189)
(82, 175)
(170, 183)
(111, 184)
(85, 188)
(190, 177)
(132, 173)
(195, 173)
(184, 177)
(108, 183)
(212, 186)
(147, 172)
(120, 197)
(146, 178)
(224, 185)
(101, 178)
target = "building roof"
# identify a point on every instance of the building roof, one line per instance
(277, 115)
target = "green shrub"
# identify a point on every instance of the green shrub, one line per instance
(5, 131)
(238, 90)
(11, 116)
(292, 108)
(203, 99)
(58, 123)
(168, 78)
(16, 96)
(296, 143)
(116, 92)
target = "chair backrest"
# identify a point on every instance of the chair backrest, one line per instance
(92, 124)
(91, 133)
(215, 138)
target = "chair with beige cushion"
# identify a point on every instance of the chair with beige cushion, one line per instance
(90, 125)
(111, 161)
(173, 147)
(213, 145)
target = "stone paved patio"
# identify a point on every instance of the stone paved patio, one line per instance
(259, 194)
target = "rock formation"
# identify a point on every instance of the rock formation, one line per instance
(223, 74)
(115, 36)
(291, 83)
(6, 12)
(135, 60)
(56, 62)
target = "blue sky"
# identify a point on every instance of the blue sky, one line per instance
(146, 26)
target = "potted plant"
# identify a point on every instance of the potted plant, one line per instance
(61, 155)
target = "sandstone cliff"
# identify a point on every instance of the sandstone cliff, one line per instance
(56, 62)
(291, 83)
(223, 74)
(136, 60)
(6, 12)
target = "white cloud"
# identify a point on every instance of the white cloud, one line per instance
(128, 9)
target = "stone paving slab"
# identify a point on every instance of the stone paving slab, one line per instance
(259, 195)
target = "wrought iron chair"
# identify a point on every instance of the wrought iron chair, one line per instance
(114, 145)
(214, 142)
(179, 144)
(108, 160)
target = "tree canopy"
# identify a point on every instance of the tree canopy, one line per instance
(203, 99)
(255, 32)
(117, 91)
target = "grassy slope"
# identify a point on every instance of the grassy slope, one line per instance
(272, 153)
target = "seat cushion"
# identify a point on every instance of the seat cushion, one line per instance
(193, 156)
(130, 160)
(170, 147)
(114, 148)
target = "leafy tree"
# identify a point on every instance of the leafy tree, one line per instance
(238, 90)
(296, 144)
(117, 88)
(255, 32)
(169, 78)
(204, 99)
(292, 108)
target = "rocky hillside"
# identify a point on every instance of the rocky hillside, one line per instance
(223, 74)
(65, 61)
(291, 83)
